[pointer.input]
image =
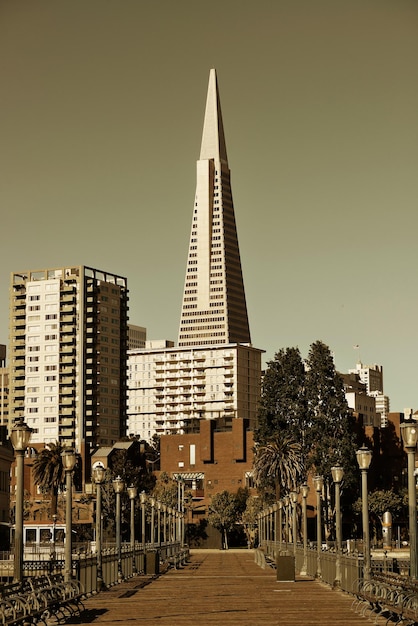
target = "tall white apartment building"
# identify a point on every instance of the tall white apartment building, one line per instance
(214, 372)
(68, 345)
(171, 387)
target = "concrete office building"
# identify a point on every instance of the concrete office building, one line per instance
(137, 336)
(214, 372)
(68, 345)
(372, 377)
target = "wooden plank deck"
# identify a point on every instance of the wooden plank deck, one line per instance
(221, 587)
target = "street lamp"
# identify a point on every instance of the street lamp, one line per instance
(364, 457)
(143, 499)
(118, 486)
(20, 437)
(159, 508)
(337, 476)
(319, 485)
(164, 508)
(152, 503)
(132, 493)
(286, 501)
(305, 490)
(54, 525)
(410, 436)
(99, 473)
(294, 499)
(275, 510)
(68, 461)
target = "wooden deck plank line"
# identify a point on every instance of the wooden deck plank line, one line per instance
(221, 587)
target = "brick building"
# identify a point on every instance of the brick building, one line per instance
(212, 460)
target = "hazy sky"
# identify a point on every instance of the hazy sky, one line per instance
(101, 116)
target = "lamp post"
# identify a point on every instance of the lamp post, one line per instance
(118, 486)
(305, 490)
(132, 493)
(143, 505)
(286, 501)
(53, 554)
(364, 457)
(410, 436)
(337, 476)
(159, 507)
(68, 462)
(152, 503)
(293, 500)
(164, 508)
(20, 437)
(275, 511)
(99, 473)
(319, 485)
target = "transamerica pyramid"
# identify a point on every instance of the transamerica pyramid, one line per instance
(214, 309)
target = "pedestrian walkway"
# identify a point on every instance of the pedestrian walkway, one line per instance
(221, 587)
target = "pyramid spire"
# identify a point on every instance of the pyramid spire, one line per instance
(214, 310)
(213, 138)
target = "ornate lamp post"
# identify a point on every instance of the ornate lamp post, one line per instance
(305, 490)
(99, 473)
(164, 509)
(20, 437)
(319, 485)
(286, 501)
(159, 507)
(410, 436)
(152, 503)
(337, 476)
(68, 462)
(275, 525)
(364, 457)
(54, 526)
(132, 493)
(118, 486)
(143, 529)
(293, 500)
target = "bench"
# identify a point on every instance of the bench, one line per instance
(390, 596)
(38, 599)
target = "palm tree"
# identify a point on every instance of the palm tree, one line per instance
(48, 472)
(279, 462)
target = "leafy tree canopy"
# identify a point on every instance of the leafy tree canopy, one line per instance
(223, 513)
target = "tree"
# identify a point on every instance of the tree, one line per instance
(330, 434)
(166, 490)
(283, 398)
(379, 502)
(279, 463)
(49, 473)
(223, 514)
(249, 518)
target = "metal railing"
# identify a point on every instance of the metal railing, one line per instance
(84, 563)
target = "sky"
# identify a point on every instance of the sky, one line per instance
(102, 105)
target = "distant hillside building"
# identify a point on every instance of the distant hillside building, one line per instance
(214, 371)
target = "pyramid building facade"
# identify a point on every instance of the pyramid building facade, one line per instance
(213, 372)
(214, 309)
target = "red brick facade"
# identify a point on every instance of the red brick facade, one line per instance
(210, 461)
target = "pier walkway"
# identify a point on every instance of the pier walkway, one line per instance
(220, 587)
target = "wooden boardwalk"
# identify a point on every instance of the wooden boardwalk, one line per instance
(220, 587)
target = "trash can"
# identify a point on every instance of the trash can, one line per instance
(285, 568)
(152, 563)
